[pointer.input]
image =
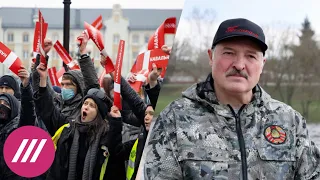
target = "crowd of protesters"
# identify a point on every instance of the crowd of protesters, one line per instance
(92, 137)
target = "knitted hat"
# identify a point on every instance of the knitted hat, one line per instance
(9, 81)
(98, 97)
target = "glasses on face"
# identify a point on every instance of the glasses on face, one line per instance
(97, 93)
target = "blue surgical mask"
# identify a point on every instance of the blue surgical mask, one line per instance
(67, 93)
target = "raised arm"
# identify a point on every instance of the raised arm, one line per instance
(87, 68)
(50, 114)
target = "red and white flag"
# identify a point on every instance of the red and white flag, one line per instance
(40, 32)
(96, 36)
(156, 41)
(67, 59)
(10, 59)
(53, 76)
(96, 24)
(146, 59)
(141, 78)
(101, 77)
(60, 74)
(117, 76)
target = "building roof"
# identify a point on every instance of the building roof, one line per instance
(139, 19)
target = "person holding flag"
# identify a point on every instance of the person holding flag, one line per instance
(53, 107)
(141, 112)
(83, 147)
(15, 114)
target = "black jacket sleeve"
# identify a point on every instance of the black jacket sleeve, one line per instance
(27, 109)
(89, 73)
(36, 78)
(50, 114)
(153, 93)
(116, 147)
(134, 101)
(128, 116)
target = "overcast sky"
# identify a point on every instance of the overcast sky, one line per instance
(128, 4)
(275, 16)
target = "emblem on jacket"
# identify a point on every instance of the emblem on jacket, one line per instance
(275, 134)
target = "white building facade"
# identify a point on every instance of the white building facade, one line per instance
(134, 26)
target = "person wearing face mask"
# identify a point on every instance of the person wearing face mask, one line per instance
(10, 120)
(65, 106)
(83, 150)
(53, 107)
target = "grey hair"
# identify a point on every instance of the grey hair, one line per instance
(212, 51)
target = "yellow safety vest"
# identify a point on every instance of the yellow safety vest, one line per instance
(132, 159)
(56, 137)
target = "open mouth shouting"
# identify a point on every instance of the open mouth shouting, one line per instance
(84, 115)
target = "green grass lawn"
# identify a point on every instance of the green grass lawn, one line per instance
(170, 92)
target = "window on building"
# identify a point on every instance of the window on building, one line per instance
(135, 39)
(135, 54)
(146, 38)
(10, 37)
(25, 37)
(116, 38)
(25, 54)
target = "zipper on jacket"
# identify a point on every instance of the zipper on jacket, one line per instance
(241, 142)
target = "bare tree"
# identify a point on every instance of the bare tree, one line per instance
(307, 56)
(280, 69)
(189, 54)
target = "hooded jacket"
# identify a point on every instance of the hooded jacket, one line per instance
(5, 130)
(196, 137)
(54, 111)
(54, 115)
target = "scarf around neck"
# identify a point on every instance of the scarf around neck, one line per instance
(91, 156)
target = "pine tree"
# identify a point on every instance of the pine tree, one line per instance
(306, 57)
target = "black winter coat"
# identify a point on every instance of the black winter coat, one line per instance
(59, 169)
(25, 117)
(50, 106)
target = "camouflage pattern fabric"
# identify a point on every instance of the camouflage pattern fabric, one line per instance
(195, 138)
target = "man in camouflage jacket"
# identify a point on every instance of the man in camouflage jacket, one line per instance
(228, 127)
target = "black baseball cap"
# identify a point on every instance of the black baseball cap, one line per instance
(238, 28)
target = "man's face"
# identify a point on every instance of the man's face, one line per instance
(6, 89)
(236, 65)
(68, 84)
(148, 117)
